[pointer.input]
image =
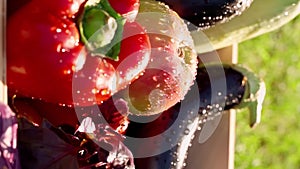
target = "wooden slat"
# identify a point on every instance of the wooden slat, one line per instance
(217, 152)
(3, 87)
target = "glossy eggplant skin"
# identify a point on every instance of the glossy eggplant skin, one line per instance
(205, 13)
(220, 87)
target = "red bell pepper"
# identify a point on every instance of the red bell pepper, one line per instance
(53, 54)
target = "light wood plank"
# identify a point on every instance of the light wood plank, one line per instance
(3, 87)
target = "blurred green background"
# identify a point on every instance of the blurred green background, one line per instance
(275, 143)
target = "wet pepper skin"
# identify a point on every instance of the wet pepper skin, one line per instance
(47, 60)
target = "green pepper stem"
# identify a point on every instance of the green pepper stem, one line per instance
(101, 29)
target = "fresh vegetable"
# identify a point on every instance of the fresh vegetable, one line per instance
(166, 137)
(48, 60)
(261, 17)
(207, 13)
(172, 66)
(243, 88)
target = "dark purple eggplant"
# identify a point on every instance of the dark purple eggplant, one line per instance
(165, 140)
(205, 13)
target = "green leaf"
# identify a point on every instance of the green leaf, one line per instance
(41, 147)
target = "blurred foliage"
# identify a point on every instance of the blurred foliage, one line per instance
(275, 143)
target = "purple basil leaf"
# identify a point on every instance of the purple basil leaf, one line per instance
(43, 148)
